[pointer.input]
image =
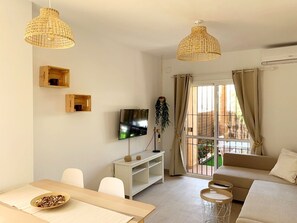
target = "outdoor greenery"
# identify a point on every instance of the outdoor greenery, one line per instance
(210, 162)
(205, 147)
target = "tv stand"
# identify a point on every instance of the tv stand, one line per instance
(137, 175)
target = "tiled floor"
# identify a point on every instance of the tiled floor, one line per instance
(178, 201)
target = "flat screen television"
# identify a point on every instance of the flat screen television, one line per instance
(133, 123)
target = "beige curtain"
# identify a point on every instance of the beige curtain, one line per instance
(181, 94)
(247, 87)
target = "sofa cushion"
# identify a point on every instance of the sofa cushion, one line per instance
(244, 177)
(270, 202)
(286, 166)
(249, 161)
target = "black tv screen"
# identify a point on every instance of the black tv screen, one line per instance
(133, 123)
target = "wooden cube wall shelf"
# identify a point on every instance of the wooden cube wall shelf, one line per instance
(76, 103)
(55, 77)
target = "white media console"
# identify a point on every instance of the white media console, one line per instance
(140, 174)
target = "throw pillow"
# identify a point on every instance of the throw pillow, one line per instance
(286, 166)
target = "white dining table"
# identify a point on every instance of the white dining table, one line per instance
(85, 205)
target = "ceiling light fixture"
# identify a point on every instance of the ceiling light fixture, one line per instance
(199, 45)
(48, 31)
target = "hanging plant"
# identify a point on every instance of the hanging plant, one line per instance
(162, 113)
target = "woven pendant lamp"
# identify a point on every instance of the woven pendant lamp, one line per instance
(198, 46)
(48, 31)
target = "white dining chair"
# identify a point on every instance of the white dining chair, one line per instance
(113, 186)
(73, 176)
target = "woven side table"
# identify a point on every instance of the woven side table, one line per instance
(217, 205)
(220, 184)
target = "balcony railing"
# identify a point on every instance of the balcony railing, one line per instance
(201, 153)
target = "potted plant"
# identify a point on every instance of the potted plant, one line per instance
(162, 113)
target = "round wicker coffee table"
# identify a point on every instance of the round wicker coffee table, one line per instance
(217, 205)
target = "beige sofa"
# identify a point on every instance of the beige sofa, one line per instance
(267, 198)
(241, 170)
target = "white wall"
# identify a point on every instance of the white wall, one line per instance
(16, 113)
(280, 109)
(279, 96)
(116, 77)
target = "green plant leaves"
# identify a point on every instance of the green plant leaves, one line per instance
(162, 113)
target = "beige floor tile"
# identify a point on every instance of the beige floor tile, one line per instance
(178, 201)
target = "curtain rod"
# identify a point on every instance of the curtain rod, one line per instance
(230, 72)
(260, 68)
(182, 75)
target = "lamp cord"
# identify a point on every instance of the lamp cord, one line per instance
(149, 142)
(154, 137)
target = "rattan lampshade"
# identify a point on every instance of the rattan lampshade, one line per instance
(198, 46)
(48, 31)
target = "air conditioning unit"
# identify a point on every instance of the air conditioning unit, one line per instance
(281, 55)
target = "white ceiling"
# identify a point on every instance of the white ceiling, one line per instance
(157, 26)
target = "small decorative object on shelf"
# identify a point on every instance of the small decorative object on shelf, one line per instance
(54, 81)
(75, 102)
(162, 113)
(56, 77)
(138, 157)
(78, 107)
(128, 158)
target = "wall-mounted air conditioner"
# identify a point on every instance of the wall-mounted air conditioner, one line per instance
(281, 55)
